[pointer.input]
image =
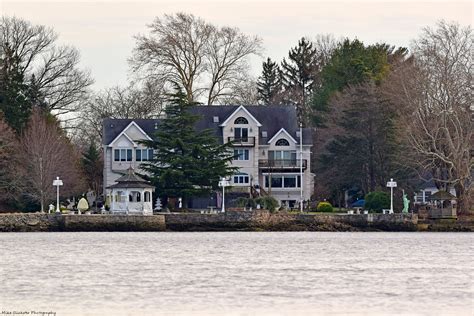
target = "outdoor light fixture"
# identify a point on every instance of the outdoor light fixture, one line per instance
(391, 184)
(57, 183)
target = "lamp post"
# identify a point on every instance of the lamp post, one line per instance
(391, 184)
(301, 167)
(57, 183)
(223, 183)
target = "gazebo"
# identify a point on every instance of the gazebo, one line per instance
(442, 205)
(131, 195)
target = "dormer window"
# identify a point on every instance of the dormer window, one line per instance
(241, 121)
(282, 142)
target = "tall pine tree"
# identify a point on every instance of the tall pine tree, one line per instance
(14, 100)
(365, 152)
(269, 83)
(187, 162)
(92, 168)
(353, 63)
(298, 77)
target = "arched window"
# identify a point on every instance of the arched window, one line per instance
(282, 142)
(134, 196)
(147, 196)
(241, 120)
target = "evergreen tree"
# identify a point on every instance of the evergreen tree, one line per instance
(92, 167)
(364, 153)
(298, 77)
(14, 101)
(187, 162)
(269, 83)
(352, 63)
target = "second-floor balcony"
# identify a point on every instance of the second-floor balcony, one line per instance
(282, 164)
(248, 141)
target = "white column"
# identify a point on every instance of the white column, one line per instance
(391, 198)
(127, 198)
(223, 198)
(112, 200)
(301, 168)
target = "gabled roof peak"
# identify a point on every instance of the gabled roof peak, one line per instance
(126, 128)
(237, 110)
(282, 130)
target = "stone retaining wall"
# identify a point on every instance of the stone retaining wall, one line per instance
(229, 221)
(37, 222)
(113, 223)
(263, 220)
(29, 222)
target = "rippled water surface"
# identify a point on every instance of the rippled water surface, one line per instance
(237, 273)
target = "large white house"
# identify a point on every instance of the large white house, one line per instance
(266, 143)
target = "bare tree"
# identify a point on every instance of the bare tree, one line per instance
(47, 153)
(227, 63)
(325, 44)
(202, 58)
(134, 102)
(435, 98)
(244, 92)
(51, 70)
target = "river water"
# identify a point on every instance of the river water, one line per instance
(237, 273)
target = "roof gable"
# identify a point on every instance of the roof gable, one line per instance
(246, 112)
(282, 130)
(132, 123)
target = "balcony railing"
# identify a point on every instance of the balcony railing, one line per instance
(281, 164)
(242, 141)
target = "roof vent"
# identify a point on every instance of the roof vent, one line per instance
(264, 134)
(216, 119)
(111, 125)
(298, 134)
(156, 125)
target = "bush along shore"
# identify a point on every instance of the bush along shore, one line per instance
(229, 221)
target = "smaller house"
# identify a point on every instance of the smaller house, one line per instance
(131, 195)
(428, 188)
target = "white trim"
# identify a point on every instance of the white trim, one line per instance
(282, 130)
(246, 111)
(123, 133)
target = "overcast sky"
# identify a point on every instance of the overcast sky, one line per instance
(103, 31)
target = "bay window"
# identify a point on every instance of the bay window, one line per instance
(241, 178)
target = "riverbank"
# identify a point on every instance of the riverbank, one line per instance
(229, 221)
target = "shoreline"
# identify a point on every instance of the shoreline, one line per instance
(230, 221)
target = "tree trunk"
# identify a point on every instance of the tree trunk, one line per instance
(463, 201)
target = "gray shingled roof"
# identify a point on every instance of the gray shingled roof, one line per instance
(272, 118)
(130, 180)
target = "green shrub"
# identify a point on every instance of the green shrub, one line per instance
(270, 203)
(241, 202)
(376, 201)
(324, 207)
(267, 202)
(246, 202)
